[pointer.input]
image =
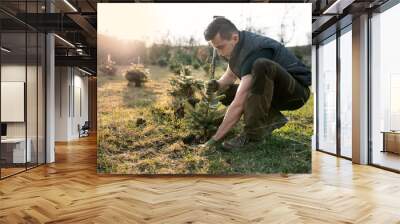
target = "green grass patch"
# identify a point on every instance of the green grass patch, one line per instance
(157, 147)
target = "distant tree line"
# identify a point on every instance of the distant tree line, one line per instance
(187, 52)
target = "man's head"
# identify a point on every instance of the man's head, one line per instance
(223, 35)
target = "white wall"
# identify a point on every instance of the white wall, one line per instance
(13, 72)
(71, 87)
(80, 118)
(62, 81)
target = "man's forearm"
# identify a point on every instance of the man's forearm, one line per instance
(227, 79)
(232, 116)
(222, 84)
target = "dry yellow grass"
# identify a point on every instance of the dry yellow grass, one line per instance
(157, 146)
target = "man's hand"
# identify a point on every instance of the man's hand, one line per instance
(211, 143)
(212, 86)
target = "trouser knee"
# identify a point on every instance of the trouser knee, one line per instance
(264, 73)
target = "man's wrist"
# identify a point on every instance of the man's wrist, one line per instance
(215, 139)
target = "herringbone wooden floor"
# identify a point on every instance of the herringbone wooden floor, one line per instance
(70, 191)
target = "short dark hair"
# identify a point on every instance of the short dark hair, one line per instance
(220, 25)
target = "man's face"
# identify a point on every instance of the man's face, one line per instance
(224, 47)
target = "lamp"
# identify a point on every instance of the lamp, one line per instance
(70, 5)
(5, 50)
(64, 40)
(337, 7)
(86, 72)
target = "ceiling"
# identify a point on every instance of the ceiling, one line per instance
(76, 22)
(73, 21)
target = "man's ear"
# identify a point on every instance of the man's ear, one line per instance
(235, 37)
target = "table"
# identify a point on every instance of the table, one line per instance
(15, 148)
(391, 141)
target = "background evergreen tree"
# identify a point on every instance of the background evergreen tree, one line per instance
(183, 89)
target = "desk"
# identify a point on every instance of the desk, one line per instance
(391, 141)
(15, 148)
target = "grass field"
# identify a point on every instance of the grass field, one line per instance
(156, 147)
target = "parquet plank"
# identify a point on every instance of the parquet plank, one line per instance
(70, 191)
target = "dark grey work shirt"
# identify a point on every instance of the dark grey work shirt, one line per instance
(246, 67)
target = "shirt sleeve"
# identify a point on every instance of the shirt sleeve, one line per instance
(247, 65)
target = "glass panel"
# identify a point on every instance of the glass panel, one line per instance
(31, 97)
(13, 87)
(327, 96)
(31, 87)
(313, 86)
(41, 99)
(23, 89)
(346, 94)
(385, 89)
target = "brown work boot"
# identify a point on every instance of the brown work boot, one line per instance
(244, 140)
(239, 142)
(276, 121)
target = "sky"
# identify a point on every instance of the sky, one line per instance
(150, 22)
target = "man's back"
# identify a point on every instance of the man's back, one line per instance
(250, 43)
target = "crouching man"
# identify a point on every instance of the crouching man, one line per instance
(272, 79)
